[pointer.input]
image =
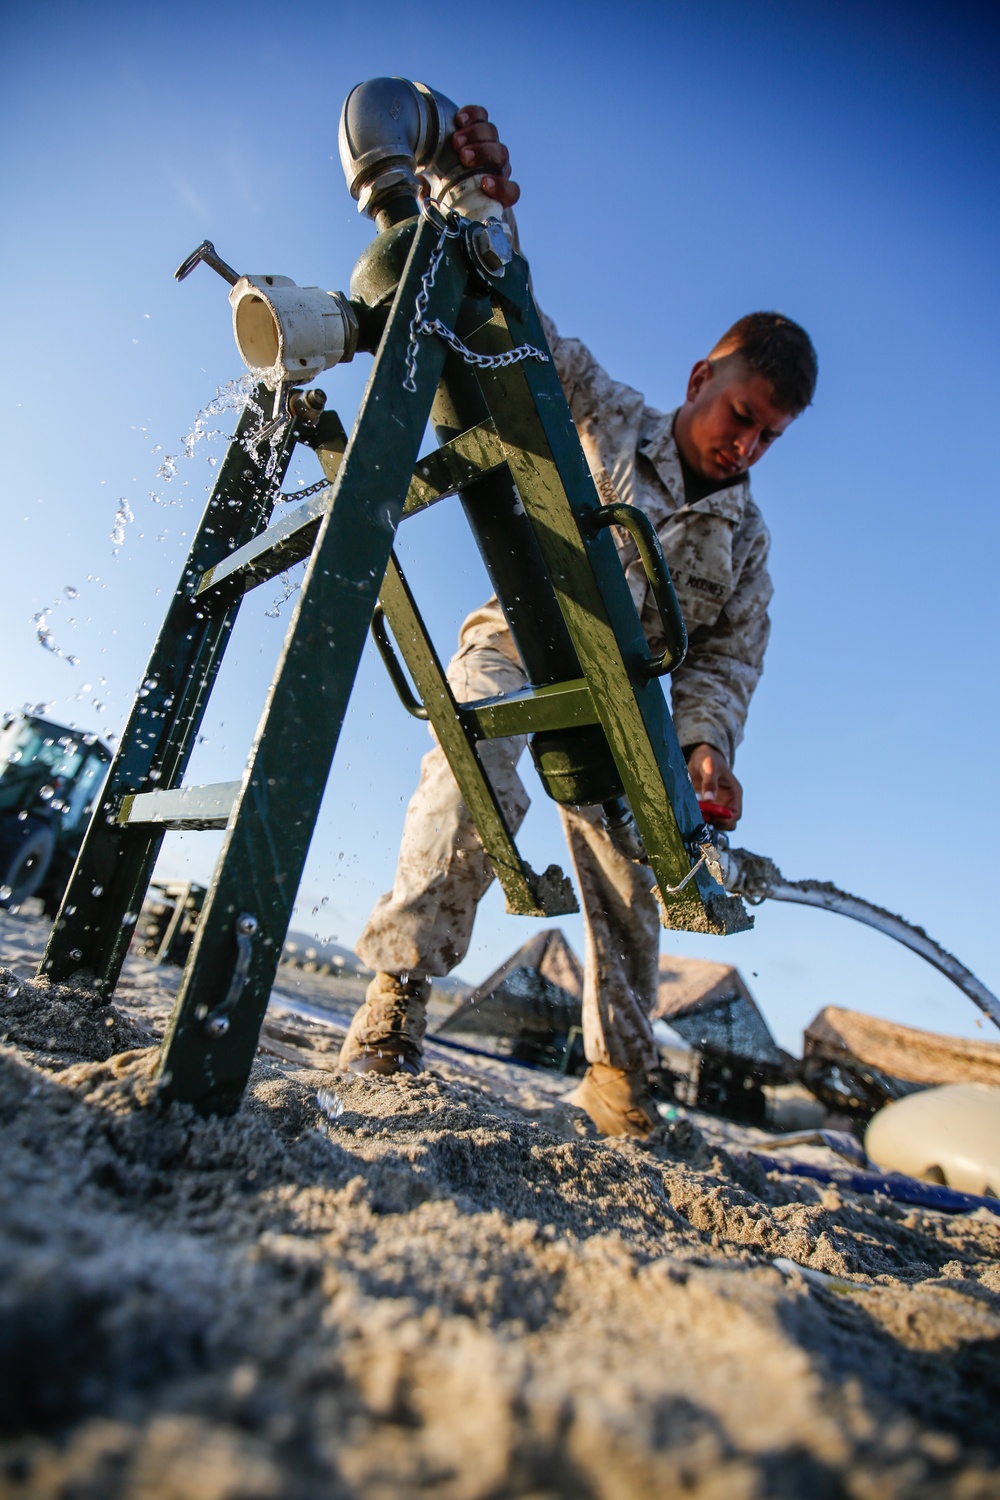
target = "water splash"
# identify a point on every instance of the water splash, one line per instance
(123, 515)
(231, 397)
(236, 396)
(43, 630)
(288, 588)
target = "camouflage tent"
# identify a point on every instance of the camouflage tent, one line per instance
(537, 993)
(900, 1052)
(711, 1007)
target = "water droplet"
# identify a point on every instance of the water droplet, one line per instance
(123, 516)
(97, 890)
(330, 1104)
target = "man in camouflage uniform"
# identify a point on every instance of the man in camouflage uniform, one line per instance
(688, 471)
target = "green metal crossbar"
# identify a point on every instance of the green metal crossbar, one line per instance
(510, 451)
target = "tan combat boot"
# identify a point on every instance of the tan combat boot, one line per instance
(387, 1033)
(619, 1103)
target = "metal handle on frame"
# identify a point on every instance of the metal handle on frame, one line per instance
(218, 1021)
(647, 543)
(394, 667)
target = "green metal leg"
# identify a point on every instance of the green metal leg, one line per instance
(210, 1046)
(543, 450)
(528, 894)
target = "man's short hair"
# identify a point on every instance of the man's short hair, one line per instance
(778, 349)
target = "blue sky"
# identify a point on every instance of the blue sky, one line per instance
(680, 165)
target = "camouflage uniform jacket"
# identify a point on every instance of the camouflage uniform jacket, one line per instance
(716, 550)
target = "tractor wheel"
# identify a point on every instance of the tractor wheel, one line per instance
(26, 851)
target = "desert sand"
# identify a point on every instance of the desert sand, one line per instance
(447, 1285)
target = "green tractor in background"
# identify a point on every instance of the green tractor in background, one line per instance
(50, 778)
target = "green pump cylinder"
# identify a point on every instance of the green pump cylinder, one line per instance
(576, 766)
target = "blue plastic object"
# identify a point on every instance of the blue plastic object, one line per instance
(892, 1184)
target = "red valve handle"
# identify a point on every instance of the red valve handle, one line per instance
(715, 813)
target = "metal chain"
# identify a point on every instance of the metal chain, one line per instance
(419, 324)
(483, 361)
(312, 489)
(420, 307)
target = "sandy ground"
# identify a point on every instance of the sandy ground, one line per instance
(446, 1286)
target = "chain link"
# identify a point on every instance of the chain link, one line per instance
(483, 361)
(420, 306)
(312, 489)
(420, 326)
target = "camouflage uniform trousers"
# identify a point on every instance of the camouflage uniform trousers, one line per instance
(424, 924)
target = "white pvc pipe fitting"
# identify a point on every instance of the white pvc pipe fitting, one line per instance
(288, 332)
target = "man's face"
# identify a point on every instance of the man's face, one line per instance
(729, 419)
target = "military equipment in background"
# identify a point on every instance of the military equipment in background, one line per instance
(719, 1054)
(166, 926)
(710, 1006)
(856, 1064)
(319, 956)
(442, 300)
(50, 778)
(530, 1009)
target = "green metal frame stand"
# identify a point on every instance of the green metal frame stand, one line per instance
(510, 450)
